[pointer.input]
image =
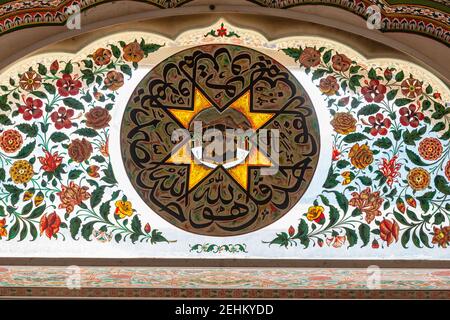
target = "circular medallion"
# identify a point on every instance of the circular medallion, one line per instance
(220, 140)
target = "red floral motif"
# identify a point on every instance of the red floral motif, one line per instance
(374, 91)
(32, 109)
(380, 125)
(401, 205)
(54, 67)
(62, 118)
(147, 228)
(389, 231)
(291, 231)
(50, 224)
(410, 116)
(50, 162)
(411, 88)
(441, 236)
(335, 155)
(222, 31)
(67, 86)
(390, 169)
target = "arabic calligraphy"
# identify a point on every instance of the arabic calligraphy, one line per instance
(225, 86)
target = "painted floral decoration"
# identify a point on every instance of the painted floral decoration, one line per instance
(56, 178)
(388, 184)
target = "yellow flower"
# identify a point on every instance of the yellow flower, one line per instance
(123, 209)
(347, 177)
(21, 171)
(315, 213)
(360, 156)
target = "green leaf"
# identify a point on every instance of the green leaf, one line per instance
(36, 213)
(86, 230)
(352, 238)
(415, 158)
(4, 120)
(365, 180)
(402, 102)
(400, 218)
(14, 230)
(39, 94)
(442, 185)
(25, 151)
(399, 76)
(341, 164)
(384, 143)
(391, 94)
(30, 130)
(58, 137)
(105, 208)
(364, 234)
(354, 137)
(126, 69)
(74, 174)
(96, 197)
(50, 88)
(405, 237)
(73, 103)
(136, 225)
(86, 132)
(42, 69)
(327, 56)
(293, 52)
(438, 127)
(115, 51)
(74, 227)
(368, 109)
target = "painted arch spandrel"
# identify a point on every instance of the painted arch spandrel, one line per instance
(383, 167)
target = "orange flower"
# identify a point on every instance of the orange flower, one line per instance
(441, 236)
(3, 231)
(113, 80)
(430, 148)
(368, 202)
(418, 179)
(133, 52)
(389, 231)
(101, 56)
(11, 141)
(360, 156)
(341, 62)
(315, 213)
(50, 225)
(343, 122)
(71, 196)
(104, 149)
